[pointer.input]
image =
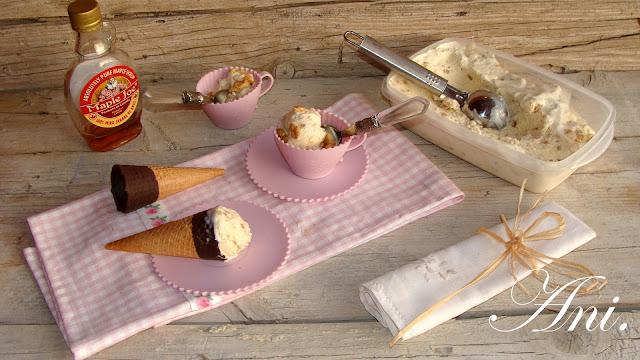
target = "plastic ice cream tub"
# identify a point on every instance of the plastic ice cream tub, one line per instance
(501, 159)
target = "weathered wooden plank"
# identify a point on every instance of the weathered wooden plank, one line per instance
(304, 39)
(30, 112)
(456, 339)
(121, 8)
(111, 8)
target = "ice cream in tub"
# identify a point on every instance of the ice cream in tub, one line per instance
(558, 127)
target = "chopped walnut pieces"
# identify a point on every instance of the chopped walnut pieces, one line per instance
(294, 131)
(282, 135)
(582, 137)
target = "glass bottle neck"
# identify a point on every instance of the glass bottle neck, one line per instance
(95, 43)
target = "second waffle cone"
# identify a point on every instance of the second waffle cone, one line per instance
(171, 239)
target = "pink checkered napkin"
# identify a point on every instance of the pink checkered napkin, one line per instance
(99, 297)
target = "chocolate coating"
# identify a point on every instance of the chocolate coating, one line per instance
(204, 238)
(133, 187)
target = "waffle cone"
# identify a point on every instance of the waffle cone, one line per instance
(172, 180)
(171, 239)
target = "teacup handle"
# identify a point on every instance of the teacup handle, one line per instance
(266, 80)
(357, 141)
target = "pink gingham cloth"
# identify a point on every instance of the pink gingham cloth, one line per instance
(100, 297)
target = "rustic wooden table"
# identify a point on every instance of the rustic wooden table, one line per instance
(317, 313)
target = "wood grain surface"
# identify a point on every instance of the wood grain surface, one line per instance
(317, 313)
(341, 340)
(295, 39)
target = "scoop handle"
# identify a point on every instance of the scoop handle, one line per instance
(157, 99)
(162, 96)
(405, 110)
(373, 49)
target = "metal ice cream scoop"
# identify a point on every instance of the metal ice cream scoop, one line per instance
(487, 108)
(404, 111)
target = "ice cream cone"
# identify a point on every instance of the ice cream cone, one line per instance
(192, 237)
(187, 237)
(171, 239)
(136, 186)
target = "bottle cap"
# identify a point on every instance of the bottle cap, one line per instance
(84, 15)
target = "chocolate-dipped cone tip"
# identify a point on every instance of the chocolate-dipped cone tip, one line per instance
(133, 187)
(136, 186)
(204, 237)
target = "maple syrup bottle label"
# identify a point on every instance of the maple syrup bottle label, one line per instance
(110, 98)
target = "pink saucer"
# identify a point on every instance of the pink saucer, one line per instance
(254, 266)
(270, 172)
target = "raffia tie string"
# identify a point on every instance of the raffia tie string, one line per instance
(517, 252)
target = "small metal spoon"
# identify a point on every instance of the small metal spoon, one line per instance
(406, 110)
(164, 97)
(194, 97)
(487, 108)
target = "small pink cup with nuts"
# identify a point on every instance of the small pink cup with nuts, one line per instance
(236, 113)
(318, 163)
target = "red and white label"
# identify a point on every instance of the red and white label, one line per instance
(110, 98)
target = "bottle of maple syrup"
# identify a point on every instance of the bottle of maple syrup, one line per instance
(102, 92)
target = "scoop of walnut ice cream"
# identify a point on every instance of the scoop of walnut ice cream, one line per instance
(235, 85)
(302, 127)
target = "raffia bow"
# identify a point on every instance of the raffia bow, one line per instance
(517, 252)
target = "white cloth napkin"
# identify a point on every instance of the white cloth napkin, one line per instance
(399, 296)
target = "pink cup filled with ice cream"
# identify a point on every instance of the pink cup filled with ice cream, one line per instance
(303, 150)
(235, 113)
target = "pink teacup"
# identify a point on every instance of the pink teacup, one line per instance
(237, 113)
(315, 164)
